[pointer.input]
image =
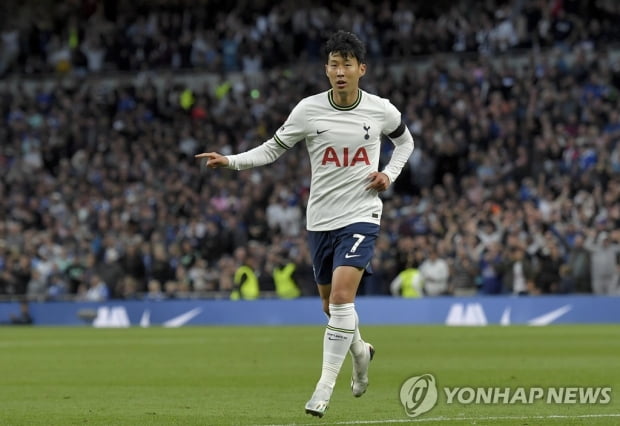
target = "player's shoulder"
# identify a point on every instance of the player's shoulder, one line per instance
(375, 99)
(378, 103)
(316, 99)
(372, 97)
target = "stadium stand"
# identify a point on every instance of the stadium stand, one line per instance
(513, 106)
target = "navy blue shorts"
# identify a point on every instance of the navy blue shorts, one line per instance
(353, 245)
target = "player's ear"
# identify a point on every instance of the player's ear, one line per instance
(326, 73)
(362, 69)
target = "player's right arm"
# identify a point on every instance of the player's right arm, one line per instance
(266, 153)
(269, 151)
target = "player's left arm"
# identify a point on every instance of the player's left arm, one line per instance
(399, 134)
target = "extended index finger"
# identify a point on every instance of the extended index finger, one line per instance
(204, 155)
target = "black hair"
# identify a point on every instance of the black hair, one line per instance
(347, 45)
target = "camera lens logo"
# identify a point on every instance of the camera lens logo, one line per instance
(418, 394)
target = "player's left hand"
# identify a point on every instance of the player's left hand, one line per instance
(378, 181)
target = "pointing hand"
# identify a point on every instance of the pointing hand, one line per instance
(214, 159)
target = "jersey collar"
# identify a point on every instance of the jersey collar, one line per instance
(330, 96)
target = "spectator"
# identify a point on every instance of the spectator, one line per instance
(284, 215)
(490, 266)
(408, 283)
(97, 290)
(132, 264)
(58, 287)
(111, 272)
(518, 273)
(463, 273)
(199, 276)
(435, 274)
(605, 267)
(37, 286)
(154, 292)
(161, 270)
(127, 288)
(548, 278)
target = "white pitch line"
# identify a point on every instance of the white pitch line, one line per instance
(455, 419)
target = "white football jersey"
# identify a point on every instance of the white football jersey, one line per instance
(344, 145)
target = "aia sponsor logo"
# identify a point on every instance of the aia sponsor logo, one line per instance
(344, 158)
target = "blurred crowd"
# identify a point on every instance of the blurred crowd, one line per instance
(513, 187)
(86, 36)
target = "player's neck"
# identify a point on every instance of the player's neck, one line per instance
(345, 98)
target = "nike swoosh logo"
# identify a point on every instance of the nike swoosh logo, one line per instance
(182, 319)
(549, 317)
(322, 131)
(348, 256)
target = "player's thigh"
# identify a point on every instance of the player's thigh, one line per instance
(321, 248)
(355, 245)
(353, 252)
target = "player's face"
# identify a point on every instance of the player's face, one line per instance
(344, 73)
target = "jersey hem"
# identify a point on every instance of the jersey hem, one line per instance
(339, 225)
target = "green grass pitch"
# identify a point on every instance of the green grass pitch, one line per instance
(264, 375)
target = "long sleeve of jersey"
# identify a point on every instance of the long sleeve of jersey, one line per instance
(403, 147)
(268, 152)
